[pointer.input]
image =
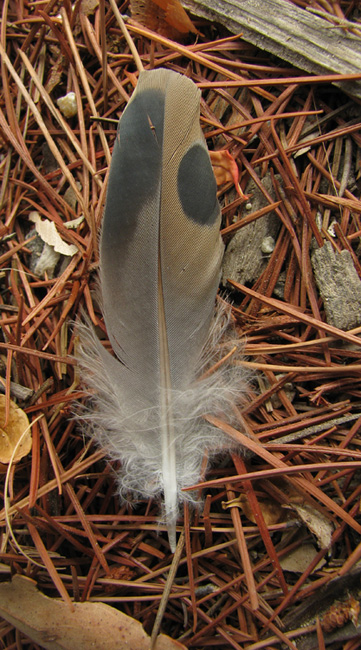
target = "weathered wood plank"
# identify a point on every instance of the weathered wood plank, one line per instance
(295, 35)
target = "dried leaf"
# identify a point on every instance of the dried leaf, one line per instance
(176, 16)
(74, 223)
(51, 624)
(46, 229)
(316, 522)
(10, 434)
(225, 169)
(272, 512)
(299, 559)
(166, 17)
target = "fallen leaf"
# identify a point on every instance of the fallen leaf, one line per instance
(10, 434)
(50, 623)
(272, 511)
(299, 559)
(88, 8)
(75, 222)
(167, 17)
(46, 229)
(225, 169)
(176, 16)
(316, 522)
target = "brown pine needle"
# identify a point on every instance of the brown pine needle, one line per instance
(296, 143)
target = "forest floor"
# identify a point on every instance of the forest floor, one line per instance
(278, 567)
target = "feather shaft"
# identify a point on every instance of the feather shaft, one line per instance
(167, 427)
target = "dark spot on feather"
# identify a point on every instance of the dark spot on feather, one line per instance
(197, 187)
(136, 165)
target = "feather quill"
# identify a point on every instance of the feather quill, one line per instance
(160, 257)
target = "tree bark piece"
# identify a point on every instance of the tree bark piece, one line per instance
(293, 34)
(339, 286)
(246, 256)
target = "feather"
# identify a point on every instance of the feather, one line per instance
(160, 258)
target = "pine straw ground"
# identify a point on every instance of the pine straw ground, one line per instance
(303, 412)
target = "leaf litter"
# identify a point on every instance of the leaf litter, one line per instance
(300, 138)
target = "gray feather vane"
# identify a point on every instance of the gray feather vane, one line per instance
(160, 257)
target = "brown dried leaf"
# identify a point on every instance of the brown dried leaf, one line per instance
(176, 16)
(272, 512)
(225, 169)
(51, 624)
(162, 16)
(11, 433)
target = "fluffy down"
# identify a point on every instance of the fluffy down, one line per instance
(135, 441)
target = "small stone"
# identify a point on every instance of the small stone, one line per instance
(67, 104)
(268, 245)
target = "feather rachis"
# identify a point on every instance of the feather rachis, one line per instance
(159, 271)
(169, 470)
